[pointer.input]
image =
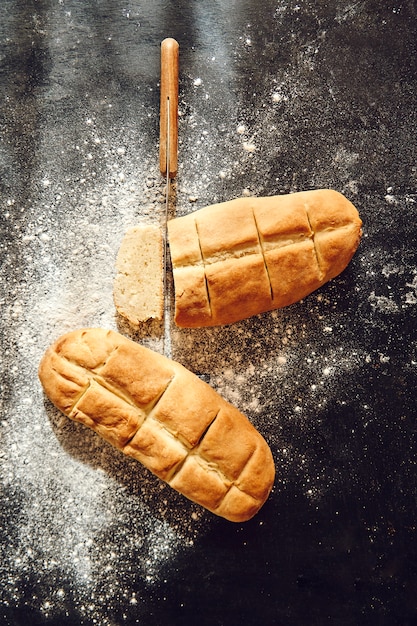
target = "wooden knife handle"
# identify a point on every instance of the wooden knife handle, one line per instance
(169, 107)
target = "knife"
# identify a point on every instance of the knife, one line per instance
(168, 152)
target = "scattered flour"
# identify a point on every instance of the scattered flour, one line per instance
(383, 304)
(82, 513)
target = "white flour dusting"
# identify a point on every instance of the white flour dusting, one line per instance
(77, 497)
(92, 530)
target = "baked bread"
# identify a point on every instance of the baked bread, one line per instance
(138, 285)
(161, 414)
(250, 255)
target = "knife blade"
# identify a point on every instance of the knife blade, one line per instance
(168, 153)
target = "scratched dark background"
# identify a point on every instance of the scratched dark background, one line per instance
(275, 96)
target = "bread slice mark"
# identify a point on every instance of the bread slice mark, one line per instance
(175, 470)
(186, 264)
(204, 433)
(207, 465)
(103, 364)
(176, 435)
(281, 241)
(62, 374)
(122, 395)
(237, 252)
(204, 266)
(95, 374)
(236, 480)
(99, 366)
(158, 425)
(228, 482)
(263, 255)
(202, 462)
(316, 253)
(213, 467)
(79, 397)
(74, 408)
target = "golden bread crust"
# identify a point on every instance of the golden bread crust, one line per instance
(158, 412)
(250, 255)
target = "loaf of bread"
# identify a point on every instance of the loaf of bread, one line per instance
(158, 412)
(138, 285)
(247, 256)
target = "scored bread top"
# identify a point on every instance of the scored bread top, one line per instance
(160, 413)
(250, 255)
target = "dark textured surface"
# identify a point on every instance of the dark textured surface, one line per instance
(275, 97)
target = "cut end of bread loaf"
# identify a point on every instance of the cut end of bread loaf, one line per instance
(138, 285)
